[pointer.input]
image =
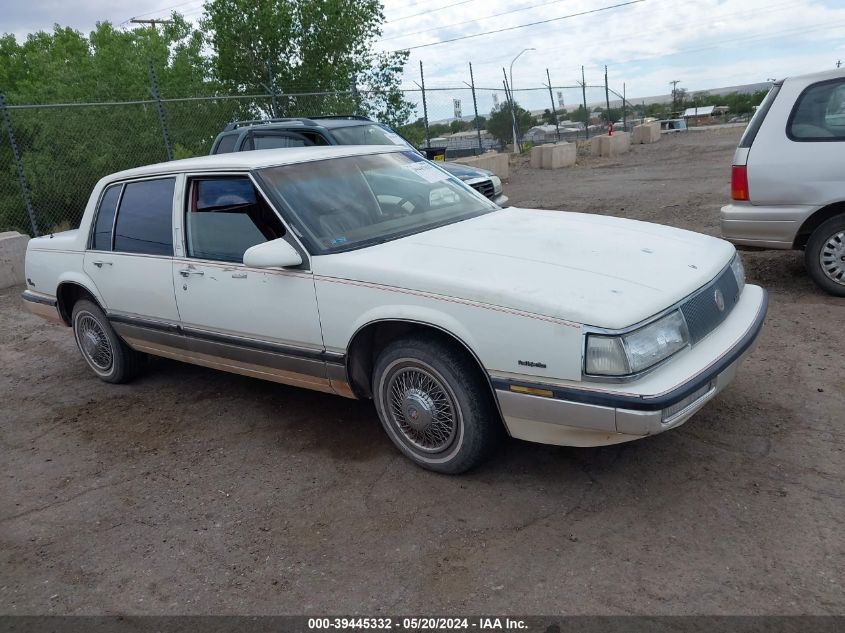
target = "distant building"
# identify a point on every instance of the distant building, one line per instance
(697, 116)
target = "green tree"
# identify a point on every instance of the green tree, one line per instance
(308, 46)
(548, 117)
(66, 150)
(500, 121)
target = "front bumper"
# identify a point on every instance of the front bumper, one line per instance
(746, 224)
(501, 200)
(571, 414)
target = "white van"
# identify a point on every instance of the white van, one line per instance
(788, 176)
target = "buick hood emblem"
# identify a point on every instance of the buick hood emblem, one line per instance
(720, 300)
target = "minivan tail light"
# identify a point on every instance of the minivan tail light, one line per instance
(739, 182)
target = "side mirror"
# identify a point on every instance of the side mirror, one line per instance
(273, 254)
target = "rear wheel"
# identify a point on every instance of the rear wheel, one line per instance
(106, 354)
(825, 255)
(434, 405)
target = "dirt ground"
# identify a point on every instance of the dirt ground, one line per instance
(192, 491)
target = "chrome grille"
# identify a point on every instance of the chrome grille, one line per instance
(702, 312)
(485, 188)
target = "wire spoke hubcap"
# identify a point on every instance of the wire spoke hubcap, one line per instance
(832, 257)
(94, 343)
(422, 409)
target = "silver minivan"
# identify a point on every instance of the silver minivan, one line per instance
(788, 176)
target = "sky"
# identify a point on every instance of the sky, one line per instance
(645, 45)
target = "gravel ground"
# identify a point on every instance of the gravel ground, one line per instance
(192, 491)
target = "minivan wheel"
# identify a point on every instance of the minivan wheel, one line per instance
(434, 405)
(106, 354)
(825, 256)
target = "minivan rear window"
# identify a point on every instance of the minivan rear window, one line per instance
(757, 120)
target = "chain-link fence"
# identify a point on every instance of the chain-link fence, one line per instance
(51, 155)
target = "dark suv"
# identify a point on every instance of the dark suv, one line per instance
(242, 136)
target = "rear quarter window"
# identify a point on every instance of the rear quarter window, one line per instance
(757, 120)
(819, 113)
(226, 144)
(101, 238)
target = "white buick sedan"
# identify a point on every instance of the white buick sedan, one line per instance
(368, 272)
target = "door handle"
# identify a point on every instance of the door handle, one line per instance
(101, 264)
(189, 271)
(238, 275)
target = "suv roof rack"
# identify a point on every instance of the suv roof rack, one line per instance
(351, 117)
(234, 125)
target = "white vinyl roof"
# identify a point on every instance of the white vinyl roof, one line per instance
(700, 111)
(256, 159)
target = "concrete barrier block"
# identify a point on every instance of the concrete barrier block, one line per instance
(611, 146)
(491, 161)
(647, 133)
(12, 254)
(536, 157)
(558, 155)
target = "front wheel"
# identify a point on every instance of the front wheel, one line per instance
(824, 255)
(434, 404)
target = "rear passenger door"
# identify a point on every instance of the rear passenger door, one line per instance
(130, 253)
(261, 322)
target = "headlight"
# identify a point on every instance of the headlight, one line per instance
(497, 184)
(638, 350)
(739, 272)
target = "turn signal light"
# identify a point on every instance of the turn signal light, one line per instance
(739, 182)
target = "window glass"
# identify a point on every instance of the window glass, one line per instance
(225, 217)
(369, 134)
(101, 240)
(350, 202)
(276, 141)
(226, 144)
(145, 219)
(819, 114)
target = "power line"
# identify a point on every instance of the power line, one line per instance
(448, 6)
(519, 26)
(713, 19)
(486, 17)
(162, 10)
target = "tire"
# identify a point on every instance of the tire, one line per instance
(455, 423)
(824, 256)
(101, 348)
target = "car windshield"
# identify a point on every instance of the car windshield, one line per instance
(346, 203)
(369, 134)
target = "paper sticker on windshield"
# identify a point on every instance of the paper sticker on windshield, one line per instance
(426, 171)
(394, 138)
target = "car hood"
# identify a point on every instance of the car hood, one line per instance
(464, 172)
(591, 269)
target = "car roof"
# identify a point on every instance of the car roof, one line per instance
(328, 122)
(834, 73)
(242, 161)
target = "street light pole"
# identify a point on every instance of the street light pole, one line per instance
(510, 84)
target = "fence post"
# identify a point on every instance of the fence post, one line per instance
(272, 89)
(425, 107)
(27, 197)
(475, 109)
(606, 98)
(624, 109)
(161, 120)
(356, 96)
(509, 96)
(554, 110)
(584, 97)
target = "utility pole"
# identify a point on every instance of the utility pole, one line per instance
(554, 110)
(584, 97)
(674, 83)
(838, 63)
(153, 23)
